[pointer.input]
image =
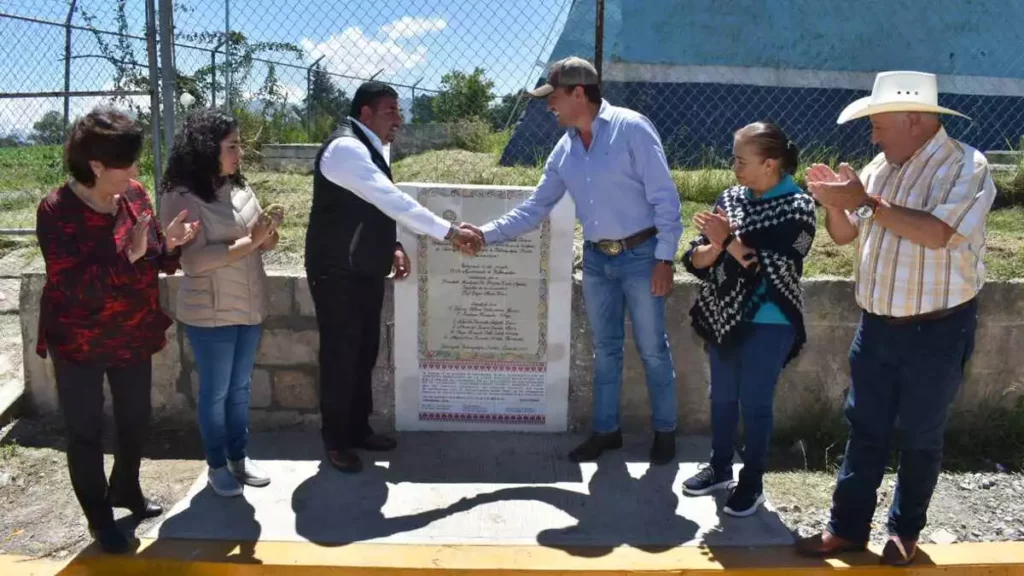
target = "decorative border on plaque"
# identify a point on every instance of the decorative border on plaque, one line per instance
(424, 242)
(535, 419)
(488, 366)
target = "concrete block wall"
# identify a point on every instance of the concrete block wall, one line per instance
(284, 382)
(412, 139)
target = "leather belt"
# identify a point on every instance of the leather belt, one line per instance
(927, 316)
(616, 247)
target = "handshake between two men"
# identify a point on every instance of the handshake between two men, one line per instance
(467, 238)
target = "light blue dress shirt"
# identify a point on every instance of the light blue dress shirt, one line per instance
(620, 186)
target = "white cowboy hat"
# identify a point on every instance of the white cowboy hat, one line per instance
(898, 92)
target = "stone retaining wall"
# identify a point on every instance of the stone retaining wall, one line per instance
(284, 381)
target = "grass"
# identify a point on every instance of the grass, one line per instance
(28, 173)
(8, 451)
(975, 440)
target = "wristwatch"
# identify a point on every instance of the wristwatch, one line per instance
(671, 263)
(866, 209)
(451, 232)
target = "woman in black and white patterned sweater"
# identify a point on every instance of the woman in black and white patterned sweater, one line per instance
(749, 259)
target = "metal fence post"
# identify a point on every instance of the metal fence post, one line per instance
(309, 99)
(168, 81)
(213, 74)
(154, 98)
(227, 56)
(67, 63)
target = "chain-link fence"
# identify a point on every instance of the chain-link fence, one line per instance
(60, 59)
(700, 69)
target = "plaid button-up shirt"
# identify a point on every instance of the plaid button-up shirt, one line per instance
(897, 277)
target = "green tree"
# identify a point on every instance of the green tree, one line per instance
(325, 105)
(423, 109)
(49, 129)
(463, 96)
(508, 110)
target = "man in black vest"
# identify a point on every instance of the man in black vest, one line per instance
(351, 247)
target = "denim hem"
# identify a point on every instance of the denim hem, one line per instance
(831, 527)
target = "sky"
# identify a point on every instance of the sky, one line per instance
(403, 41)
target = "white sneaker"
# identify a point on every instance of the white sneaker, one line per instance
(247, 472)
(223, 482)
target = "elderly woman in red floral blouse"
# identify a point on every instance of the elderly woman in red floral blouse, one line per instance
(100, 311)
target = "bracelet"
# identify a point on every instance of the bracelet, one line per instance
(728, 240)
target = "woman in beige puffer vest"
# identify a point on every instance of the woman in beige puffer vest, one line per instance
(221, 300)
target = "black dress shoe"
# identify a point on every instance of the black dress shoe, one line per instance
(663, 450)
(595, 445)
(111, 539)
(376, 443)
(144, 511)
(345, 460)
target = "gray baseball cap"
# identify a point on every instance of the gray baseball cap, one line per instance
(571, 71)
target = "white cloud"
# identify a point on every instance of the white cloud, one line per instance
(293, 93)
(354, 53)
(409, 27)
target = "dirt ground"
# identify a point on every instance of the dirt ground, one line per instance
(980, 507)
(39, 515)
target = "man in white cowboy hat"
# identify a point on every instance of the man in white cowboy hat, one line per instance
(918, 214)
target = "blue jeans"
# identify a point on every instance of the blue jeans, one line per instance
(745, 376)
(611, 284)
(224, 358)
(908, 373)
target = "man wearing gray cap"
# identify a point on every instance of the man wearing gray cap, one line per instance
(611, 162)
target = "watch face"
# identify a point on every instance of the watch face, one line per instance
(865, 211)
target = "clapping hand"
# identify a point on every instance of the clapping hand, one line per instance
(714, 226)
(836, 190)
(140, 240)
(179, 232)
(274, 215)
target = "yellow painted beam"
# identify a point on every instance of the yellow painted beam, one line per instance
(204, 558)
(27, 566)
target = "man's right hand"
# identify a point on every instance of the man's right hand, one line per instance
(467, 238)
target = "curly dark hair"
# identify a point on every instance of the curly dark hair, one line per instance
(194, 163)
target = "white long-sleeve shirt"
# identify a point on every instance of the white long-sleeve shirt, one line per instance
(347, 163)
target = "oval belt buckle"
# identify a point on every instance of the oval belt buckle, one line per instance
(611, 247)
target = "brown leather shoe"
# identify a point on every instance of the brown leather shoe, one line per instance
(376, 443)
(346, 461)
(826, 545)
(898, 552)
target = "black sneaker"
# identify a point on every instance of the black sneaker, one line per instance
(707, 481)
(744, 500)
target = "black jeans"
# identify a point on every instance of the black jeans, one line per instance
(906, 373)
(80, 389)
(348, 310)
